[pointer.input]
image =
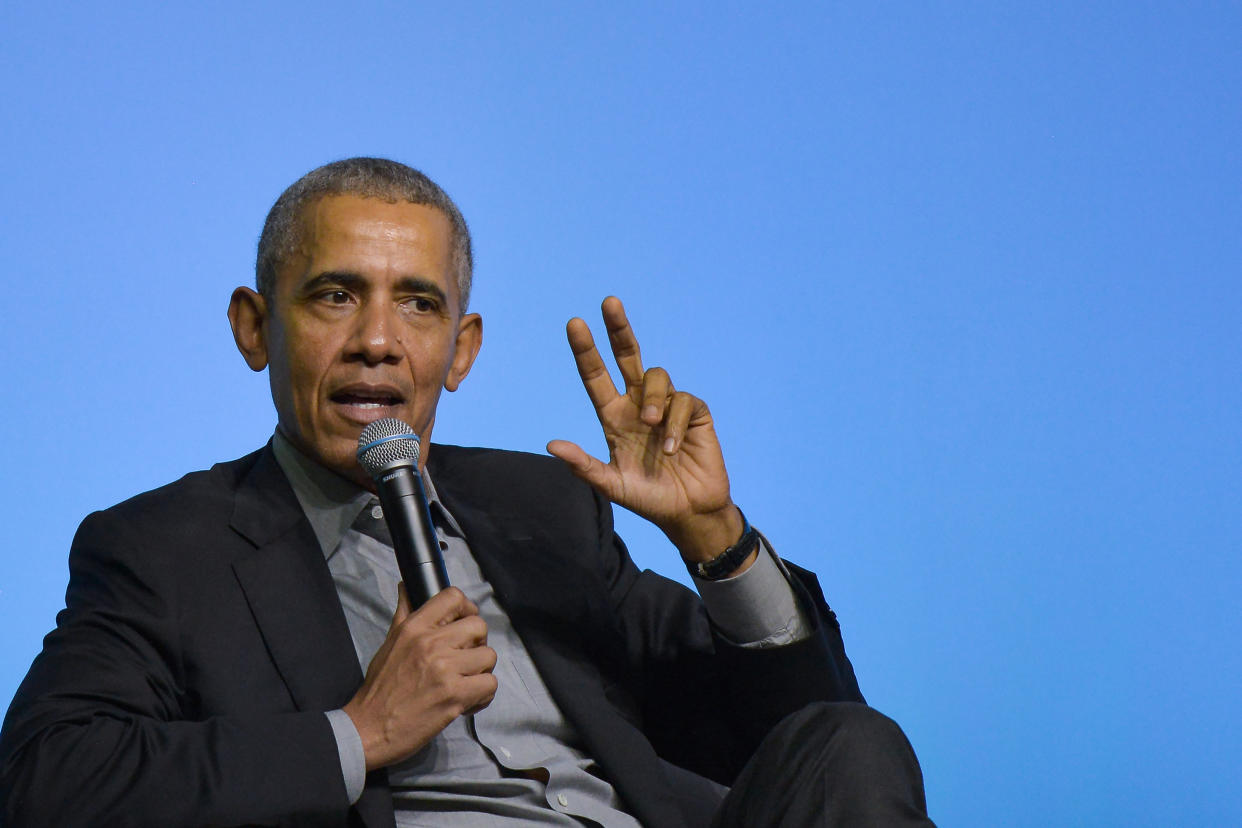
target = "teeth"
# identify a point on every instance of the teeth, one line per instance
(364, 402)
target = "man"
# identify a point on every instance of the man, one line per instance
(235, 648)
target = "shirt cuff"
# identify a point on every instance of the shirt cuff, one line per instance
(349, 748)
(757, 608)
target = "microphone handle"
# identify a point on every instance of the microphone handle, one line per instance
(414, 539)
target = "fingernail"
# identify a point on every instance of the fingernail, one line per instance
(669, 445)
(651, 412)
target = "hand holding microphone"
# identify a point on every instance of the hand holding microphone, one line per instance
(388, 450)
(434, 664)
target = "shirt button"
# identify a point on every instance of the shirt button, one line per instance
(377, 512)
(564, 800)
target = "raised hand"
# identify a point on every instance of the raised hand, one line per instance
(665, 462)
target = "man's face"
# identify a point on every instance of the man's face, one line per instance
(365, 323)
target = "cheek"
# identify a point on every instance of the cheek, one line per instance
(302, 372)
(305, 379)
(304, 351)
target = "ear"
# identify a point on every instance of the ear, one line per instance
(469, 340)
(247, 318)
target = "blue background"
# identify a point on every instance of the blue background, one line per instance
(960, 282)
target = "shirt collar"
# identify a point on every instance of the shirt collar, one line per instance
(331, 503)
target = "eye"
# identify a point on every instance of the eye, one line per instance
(334, 296)
(421, 304)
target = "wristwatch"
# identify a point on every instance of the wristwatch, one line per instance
(727, 562)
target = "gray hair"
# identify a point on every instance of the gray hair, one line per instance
(367, 178)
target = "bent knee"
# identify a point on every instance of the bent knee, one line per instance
(850, 722)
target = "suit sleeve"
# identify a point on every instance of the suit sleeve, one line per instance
(97, 733)
(707, 703)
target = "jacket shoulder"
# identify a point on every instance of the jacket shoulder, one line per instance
(183, 520)
(510, 482)
(202, 494)
(449, 460)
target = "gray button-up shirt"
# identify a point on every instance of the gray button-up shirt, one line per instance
(518, 761)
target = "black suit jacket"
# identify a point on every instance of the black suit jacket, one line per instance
(202, 640)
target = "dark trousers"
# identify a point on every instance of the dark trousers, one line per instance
(828, 764)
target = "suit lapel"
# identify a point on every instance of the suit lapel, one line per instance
(533, 586)
(543, 591)
(290, 592)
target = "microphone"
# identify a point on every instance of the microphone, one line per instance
(388, 450)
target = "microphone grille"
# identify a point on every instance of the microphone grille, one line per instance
(385, 442)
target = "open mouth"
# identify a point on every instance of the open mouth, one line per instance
(367, 399)
(360, 401)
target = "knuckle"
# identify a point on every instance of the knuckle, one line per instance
(408, 630)
(420, 648)
(439, 668)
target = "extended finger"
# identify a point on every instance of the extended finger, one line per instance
(657, 388)
(590, 364)
(677, 420)
(623, 341)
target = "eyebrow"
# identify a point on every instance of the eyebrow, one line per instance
(356, 282)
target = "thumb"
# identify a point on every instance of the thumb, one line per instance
(403, 605)
(601, 476)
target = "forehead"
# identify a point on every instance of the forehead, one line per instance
(373, 237)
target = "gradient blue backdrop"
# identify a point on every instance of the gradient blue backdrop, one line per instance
(960, 282)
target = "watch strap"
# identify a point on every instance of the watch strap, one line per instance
(727, 562)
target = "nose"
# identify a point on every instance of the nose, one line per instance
(375, 338)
